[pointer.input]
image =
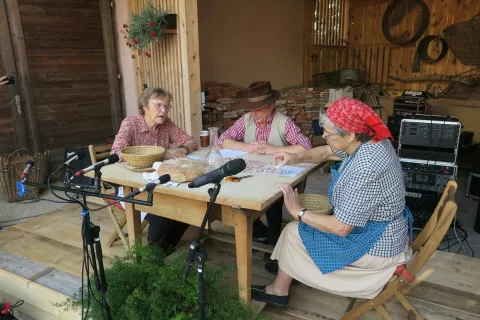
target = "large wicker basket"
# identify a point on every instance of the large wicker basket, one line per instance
(11, 168)
(463, 39)
(142, 156)
(315, 202)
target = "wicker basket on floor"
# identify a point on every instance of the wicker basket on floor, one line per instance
(11, 168)
(142, 156)
(315, 202)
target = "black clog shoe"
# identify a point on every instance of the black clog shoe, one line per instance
(259, 294)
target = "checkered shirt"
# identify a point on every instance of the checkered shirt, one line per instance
(372, 189)
(293, 133)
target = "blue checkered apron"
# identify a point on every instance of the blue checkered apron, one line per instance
(331, 252)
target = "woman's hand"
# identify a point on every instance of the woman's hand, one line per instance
(291, 200)
(285, 158)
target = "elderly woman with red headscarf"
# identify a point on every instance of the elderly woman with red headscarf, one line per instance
(354, 251)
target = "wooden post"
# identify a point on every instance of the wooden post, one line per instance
(111, 62)
(243, 239)
(307, 40)
(8, 62)
(21, 62)
(190, 60)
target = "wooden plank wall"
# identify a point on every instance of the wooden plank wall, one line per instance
(326, 26)
(366, 38)
(66, 59)
(328, 59)
(174, 63)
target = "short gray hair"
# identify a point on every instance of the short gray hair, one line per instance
(323, 118)
(149, 93)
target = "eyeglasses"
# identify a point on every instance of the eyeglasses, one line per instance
(328, 135)
(160, 106)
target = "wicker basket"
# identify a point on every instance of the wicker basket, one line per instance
(463, 39)
(142, 156)
(315, 202)
(11, 168)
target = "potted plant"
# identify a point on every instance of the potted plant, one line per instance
(148, 26)
(143, 285)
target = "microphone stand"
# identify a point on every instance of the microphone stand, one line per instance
(90, 232)
(199, 256)
(91, 238)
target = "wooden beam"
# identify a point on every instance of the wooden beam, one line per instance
(21, 62)
(111, 62)
(307, 40)
(362, 3)
(8, 63)
(38, 299)
(190, 60)
(117, 42)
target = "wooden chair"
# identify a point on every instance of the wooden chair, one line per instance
(99, 153)
(423, 248)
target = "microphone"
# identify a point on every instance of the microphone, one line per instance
(149, 186)
(78, 156)
(110, 159)
(26, 171)
(230, 168)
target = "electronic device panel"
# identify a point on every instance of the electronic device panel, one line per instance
(430, 139)
(422, 177)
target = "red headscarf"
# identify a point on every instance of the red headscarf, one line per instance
(355, 116)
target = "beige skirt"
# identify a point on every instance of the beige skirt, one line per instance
(364, 278)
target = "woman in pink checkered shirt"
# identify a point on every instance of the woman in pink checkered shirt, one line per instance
(153, 127)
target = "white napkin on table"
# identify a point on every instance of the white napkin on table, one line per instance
(151, 176)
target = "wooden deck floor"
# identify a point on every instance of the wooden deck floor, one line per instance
(45, 252)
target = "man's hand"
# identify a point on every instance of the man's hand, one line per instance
(285, 158)
(175, 153)
(262, 147)
(3, 81)
(269, 149)
(257, 147)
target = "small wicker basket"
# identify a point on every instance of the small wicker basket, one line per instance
(142, 156)
(315, 202)
(11, 168)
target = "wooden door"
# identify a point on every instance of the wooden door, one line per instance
(8, 141)
(13, 132)
(64, 58)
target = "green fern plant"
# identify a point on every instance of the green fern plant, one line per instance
(142, 286)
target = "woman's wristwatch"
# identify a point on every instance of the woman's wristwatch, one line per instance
(301, 213)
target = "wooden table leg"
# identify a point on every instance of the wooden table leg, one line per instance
(133, 220)
(302, 185)
(243, 240)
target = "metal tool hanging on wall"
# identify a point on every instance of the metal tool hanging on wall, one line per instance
(421, 54)
(396, 12)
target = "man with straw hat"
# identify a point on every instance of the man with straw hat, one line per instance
(263, 130)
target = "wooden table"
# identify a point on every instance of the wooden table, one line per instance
(237, 205)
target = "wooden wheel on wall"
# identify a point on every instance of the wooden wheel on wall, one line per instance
(405, 21)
